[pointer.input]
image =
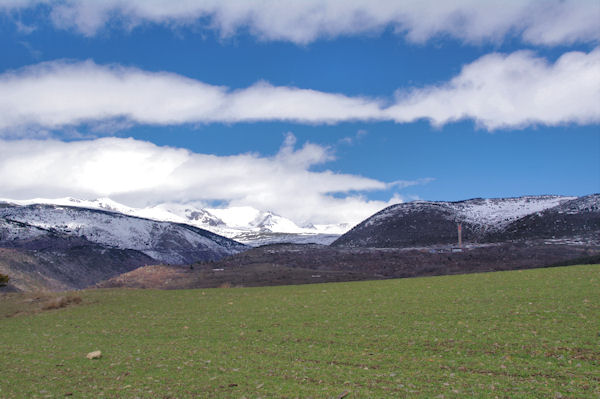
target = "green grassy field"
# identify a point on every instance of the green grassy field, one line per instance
(532, 333)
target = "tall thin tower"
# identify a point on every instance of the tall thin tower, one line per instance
(460, 235)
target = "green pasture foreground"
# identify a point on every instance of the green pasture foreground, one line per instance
(530, 334)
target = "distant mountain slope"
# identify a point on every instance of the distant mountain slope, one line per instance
(163, 241)
(423, 223)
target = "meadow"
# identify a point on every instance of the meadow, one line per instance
(518, 334)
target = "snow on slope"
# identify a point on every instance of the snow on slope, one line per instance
(489, 214)
(10, 230)
(251, 219)
(164, 241)
(501, 212)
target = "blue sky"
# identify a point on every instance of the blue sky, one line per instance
(424, 107)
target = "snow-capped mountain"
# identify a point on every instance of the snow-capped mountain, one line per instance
(423, 223)
(253, 227)
(242, 223)
(248, 218)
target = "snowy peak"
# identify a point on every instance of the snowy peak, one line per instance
(274, 223)
(240, 217)
(254, 227)
(246, 218)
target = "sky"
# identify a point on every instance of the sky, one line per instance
(321, 111)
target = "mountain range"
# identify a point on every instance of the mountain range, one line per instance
(69, 243)
(241, 223)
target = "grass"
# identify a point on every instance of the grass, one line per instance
(529, 334)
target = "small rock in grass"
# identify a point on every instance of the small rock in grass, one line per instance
(94, 355)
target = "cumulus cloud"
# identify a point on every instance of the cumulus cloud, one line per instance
(496, 91)
(139, 173)
(547, 22)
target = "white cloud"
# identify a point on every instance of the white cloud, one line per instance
(547, 22)
(56, 94)
(497, 90)
(139, 173)
(513, 90)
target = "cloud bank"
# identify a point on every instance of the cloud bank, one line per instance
(545, 22)
(496, 91)
(139, 173)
